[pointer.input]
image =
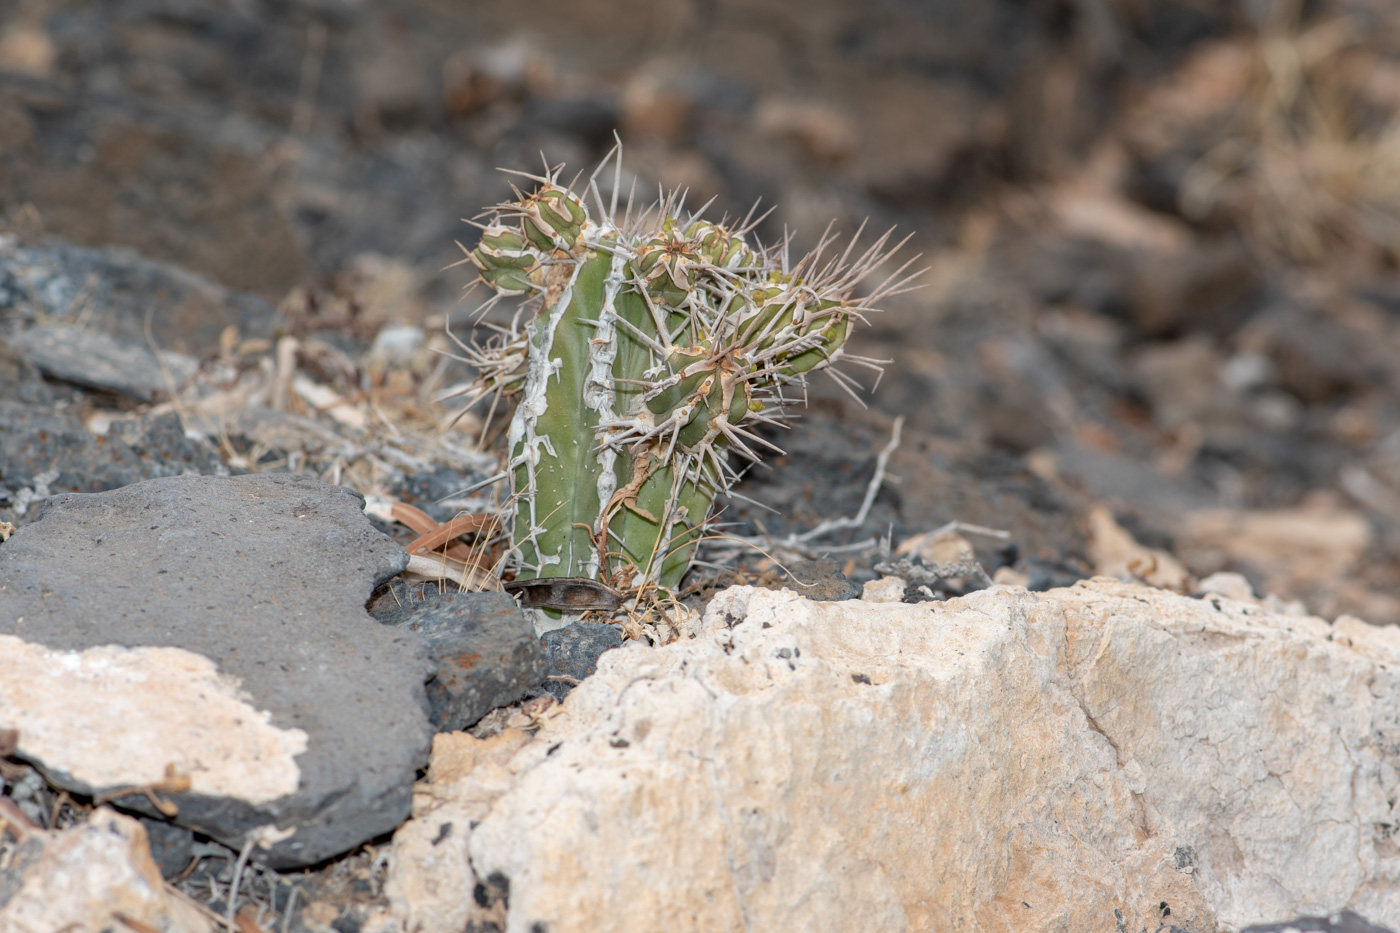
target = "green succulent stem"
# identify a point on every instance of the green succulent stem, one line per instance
(653, 343)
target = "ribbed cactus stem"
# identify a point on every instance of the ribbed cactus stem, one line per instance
(653, 344)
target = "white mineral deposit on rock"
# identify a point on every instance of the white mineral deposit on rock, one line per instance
(112, 716)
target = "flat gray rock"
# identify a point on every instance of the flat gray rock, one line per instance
(101, 361)
(114, 289)
(200, 644)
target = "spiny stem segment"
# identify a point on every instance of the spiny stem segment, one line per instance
(654, 342)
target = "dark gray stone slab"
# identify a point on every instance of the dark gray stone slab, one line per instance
(484, 648)
(101, 361)
(267, 576)
(573, 652)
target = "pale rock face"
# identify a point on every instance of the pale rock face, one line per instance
(1067, 760)
(87, 878)
(113, 716)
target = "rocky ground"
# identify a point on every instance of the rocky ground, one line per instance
(1158, 340)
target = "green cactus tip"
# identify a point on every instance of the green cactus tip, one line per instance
(652, 342)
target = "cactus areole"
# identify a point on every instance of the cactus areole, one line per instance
(652, 343)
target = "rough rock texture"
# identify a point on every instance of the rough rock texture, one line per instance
(93, 877)
(484, 649)
(1082, 759)
(572, 653)
(222, 623)
(53, 449)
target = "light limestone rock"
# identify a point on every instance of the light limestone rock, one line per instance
(884, 590)
(1069, 760)
(94, 877)
(1314, 544)
(113, 716)
(1116, 553)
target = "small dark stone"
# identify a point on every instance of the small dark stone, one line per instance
(922, 593)
(484, 649)
(399, 593)
(171, 846)
(438, 492)
(37, 442)
(1043, 575)
(164, 444)
(861, 679)
(573, 652)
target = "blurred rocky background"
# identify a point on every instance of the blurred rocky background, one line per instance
(1161, 240)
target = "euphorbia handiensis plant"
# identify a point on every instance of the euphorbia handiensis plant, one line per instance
(653, 341)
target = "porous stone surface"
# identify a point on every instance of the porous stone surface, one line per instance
(1086, 758)
(42, 447)
(92, 877)
(217, 650)
(572, 653)
(483, 648)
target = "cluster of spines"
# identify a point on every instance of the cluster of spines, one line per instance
(714, 331)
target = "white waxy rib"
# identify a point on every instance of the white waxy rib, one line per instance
(599, 389)
(534, 402)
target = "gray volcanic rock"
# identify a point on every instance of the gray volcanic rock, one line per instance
(101, 361)
(20, 379)
(573, 652)
(42, 446)
(202, 642)
(64, 283)
(483, 646)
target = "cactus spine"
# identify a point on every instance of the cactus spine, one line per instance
(655, 340)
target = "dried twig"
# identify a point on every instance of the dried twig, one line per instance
(230, 917)
(801, 543)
